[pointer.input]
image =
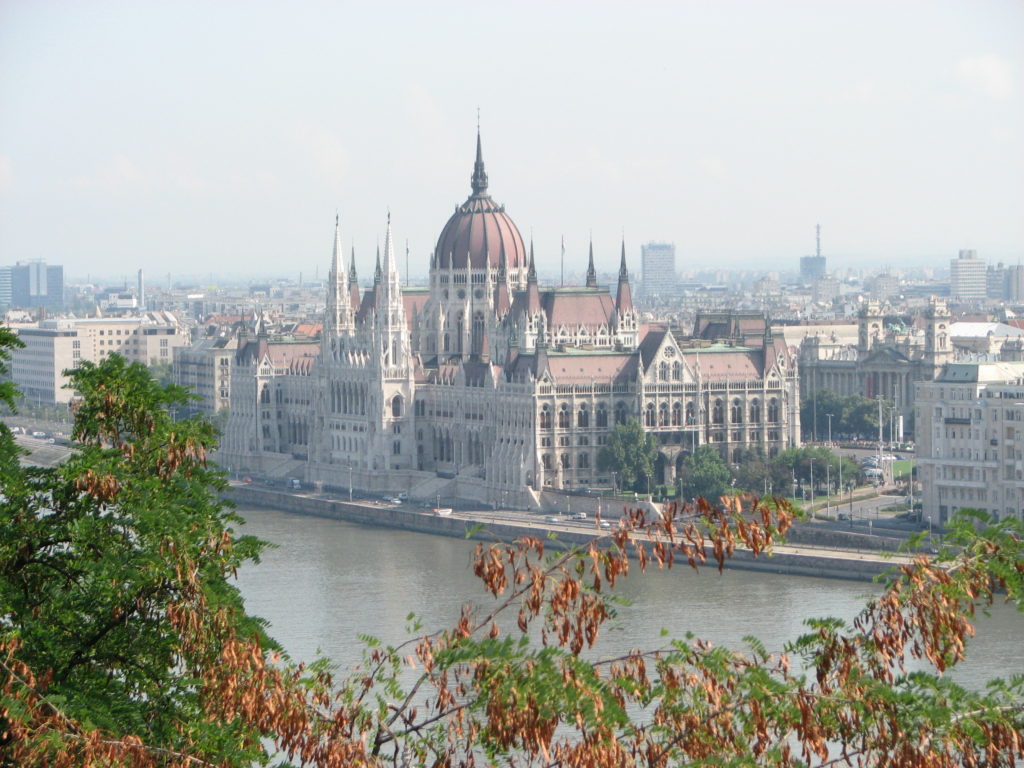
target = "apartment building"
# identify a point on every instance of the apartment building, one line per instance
(970, 440)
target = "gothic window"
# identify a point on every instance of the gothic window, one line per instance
(565, 461)
(546, 460)
(755, 412)
(718, 413)
(691, 414)
(773, 411)
(583, 417)
(563, 417)
(545, 417)
(478, 332)
(677, 414)
(663, 371)
(737, 455)
(583, 462)
(447, 342)
(396, 447)
(736, 414)
(265, 394)
(677, 371)
(602, 415)
(663, 415)
(396, 406)
(649, 418)
(620, 412)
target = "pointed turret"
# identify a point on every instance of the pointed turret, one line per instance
(390, 312)
(376, 271)
(624, 296)
(502, 304)
(591, 272)
(339, 300)
(532, 291)
(479, 180)
(353, 280)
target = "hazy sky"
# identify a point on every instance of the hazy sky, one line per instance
(215, 137)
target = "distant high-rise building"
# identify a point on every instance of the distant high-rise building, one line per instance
(968, 277)
(1014, 283)
(885, 286)
(995, 281)
(814, 267)
(34, 284)
(659, 269)
(142, 291)
(5, 287)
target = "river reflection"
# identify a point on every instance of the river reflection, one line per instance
(329, 581)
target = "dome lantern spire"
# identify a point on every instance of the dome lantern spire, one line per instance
(479, 174)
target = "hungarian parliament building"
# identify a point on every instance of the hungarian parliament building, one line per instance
(484, 386)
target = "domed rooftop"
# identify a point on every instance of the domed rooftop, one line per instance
(479, 230)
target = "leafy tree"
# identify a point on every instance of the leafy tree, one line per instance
(631, 454)
(123, 643)
(705, 474)
(853, 415)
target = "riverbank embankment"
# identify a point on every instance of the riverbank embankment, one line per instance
(787, 559)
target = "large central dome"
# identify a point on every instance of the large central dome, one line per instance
(479, 231)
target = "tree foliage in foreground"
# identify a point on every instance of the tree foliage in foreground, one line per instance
(123, 642)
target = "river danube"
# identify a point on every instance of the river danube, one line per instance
(328, 581)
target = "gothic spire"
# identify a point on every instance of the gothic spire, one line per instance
(352, 277)
(591, 272)
(624, 296)
(623, 272)
(376, 271)
(479, 180)
(531, 273)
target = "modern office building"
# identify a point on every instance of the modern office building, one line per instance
(970, 440)
(658, 261)
(35, 284)
(53, 346)
(968, 277)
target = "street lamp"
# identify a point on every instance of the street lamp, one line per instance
(811, 460)
(350, 482)
(648, 486)
(829, 429)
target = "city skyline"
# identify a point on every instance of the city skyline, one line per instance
(233, 136)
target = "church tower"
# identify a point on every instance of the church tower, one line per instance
(869, 326)
(938, 349)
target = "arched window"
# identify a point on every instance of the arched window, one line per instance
(755, 412)
(396, 406)
(737, 455)
(565, 461)
(563, 416)
(447, 342)
(718, 413)
(583, 417)
(478, 332)
(546, 460)
(677, 371)
(677, 414)
(545, 417)
(773, 411)
(736, 413)
(663, 415)
(583, 462)
(663, 371)
(602, 415)
(649, 417)
(620, 412)
(265, 394)
(691, 414)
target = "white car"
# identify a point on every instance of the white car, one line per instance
(605, 525)
(579, 515)
(551, 519)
